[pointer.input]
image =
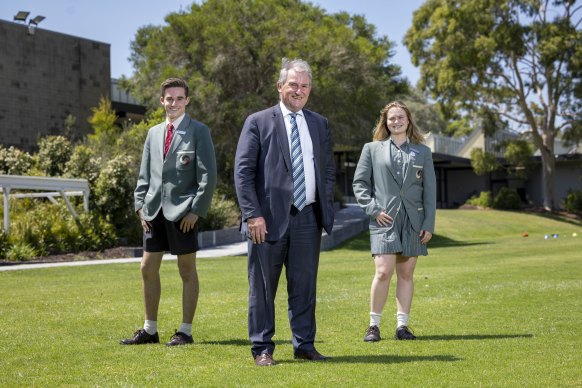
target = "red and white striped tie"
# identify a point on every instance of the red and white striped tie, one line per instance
(168, 141)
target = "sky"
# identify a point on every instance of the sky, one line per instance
(116, 22)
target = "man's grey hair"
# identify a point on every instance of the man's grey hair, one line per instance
(299, 65)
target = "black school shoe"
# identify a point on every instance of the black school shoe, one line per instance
(141, 337)
(180, 338)
(404, 333)
(372, 334)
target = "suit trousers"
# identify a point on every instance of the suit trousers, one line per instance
(298, 250)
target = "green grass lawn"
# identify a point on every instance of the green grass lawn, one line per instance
(491, 308)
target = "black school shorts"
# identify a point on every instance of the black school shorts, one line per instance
(166, 236)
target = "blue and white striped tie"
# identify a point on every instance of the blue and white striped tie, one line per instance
(297, 166)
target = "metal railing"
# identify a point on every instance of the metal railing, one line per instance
(52, 188)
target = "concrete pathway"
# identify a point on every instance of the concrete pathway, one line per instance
(350, 221)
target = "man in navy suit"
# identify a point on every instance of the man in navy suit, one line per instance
(284, 176)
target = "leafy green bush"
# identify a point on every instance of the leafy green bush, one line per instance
(507, 199)
(20, 252)
(223, 213)
(83, 164)
(14, 161)
(484, 200)
(573, 201)
(113, 192)
(4, 243)
(50, 229)
(53, 154)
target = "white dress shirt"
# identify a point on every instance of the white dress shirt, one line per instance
(175, 123)
(306, 150)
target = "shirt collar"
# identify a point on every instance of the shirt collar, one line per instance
(403, 145)
(287, 112)
(176, 123)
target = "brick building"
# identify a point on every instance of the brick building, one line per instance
(44, 77)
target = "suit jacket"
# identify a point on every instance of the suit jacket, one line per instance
(182, 182)
(376, 188)
(263, 175)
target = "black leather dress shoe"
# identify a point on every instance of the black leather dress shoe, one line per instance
(404, 333)
(372, 334)
(311, 355)
(264, 359)
(180, 338)
(141, 337)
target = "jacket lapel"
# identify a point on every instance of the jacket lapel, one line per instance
(159, 141)
(314, 133)
(387, 154)
(179, 133)
(281, 131)
(414, 155)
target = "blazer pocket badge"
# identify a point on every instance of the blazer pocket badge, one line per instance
(184, 158)
(418, 173)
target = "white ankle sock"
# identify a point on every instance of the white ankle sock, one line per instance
(375, 319)
(151, 327)
(401, 319)
(186, 328)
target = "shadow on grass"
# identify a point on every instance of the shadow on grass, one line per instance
(359, 243)
(387, 359)
(362, 242)
(439, 241)
(240, 342)
(558, 217)
(465, 337)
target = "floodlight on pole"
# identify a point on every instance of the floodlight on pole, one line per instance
(21, 16)
(32, 23)
(36, 20)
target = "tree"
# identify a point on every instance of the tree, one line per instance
(483, 162)
(518, 61)
(426, 115)
(518, 154)
(229, 51)
(105, 130)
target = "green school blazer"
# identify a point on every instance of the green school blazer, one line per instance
(182, 182)
(376, 188)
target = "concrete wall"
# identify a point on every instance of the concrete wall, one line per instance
(462, 184)
(568, 177)
(44, 77)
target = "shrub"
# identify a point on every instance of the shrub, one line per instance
(4, 243)
(96, 232)
(113, 192)
(20, 252)
(483, 200)
(507, 199)
(53, 154)
(223, 213)
(83, 164)
(14, 161)
(50, 229)
(573, 201)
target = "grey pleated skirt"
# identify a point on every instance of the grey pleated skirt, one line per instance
(400, 239)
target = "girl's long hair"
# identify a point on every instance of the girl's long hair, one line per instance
(381, 131)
